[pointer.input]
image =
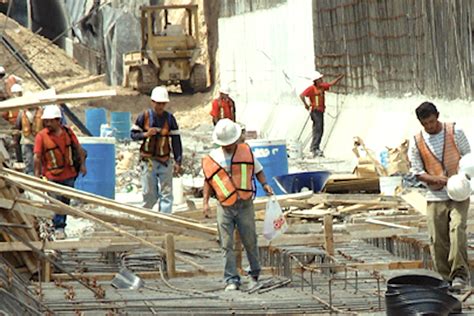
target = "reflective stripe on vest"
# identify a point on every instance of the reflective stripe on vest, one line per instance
(158, 146)
(230, 102)
(54, 158)
(449, 164)
(228, 188)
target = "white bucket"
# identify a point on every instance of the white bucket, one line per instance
(178, 192)
(388, 185)
(295, 149)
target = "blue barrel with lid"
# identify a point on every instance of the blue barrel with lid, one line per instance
(100, 163)
(273, 157)
(121, 122)
(94, 119)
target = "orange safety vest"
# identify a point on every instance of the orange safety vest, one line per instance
(34, 127)
(231, 109)
(229, 188)
(449, 164)
(157, 146)
(318, 103)
(54, 158)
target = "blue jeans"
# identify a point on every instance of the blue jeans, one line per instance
(242, 216)
(59, 221)
(157, 184)
(27, 151)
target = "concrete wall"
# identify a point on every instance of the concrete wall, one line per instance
(278, 42)
(264, 63)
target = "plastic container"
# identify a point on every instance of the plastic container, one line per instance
(273, 156)
(178, 192)
(94, 119)
(100, 163)
(295, 182)
(121, 122)
(388, 185)
(295, 149)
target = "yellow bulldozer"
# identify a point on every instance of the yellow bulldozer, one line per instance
(169, 51)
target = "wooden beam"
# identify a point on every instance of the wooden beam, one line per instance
(170, 256)
(18, 178)
(328, 235)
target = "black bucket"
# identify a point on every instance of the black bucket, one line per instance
(419, 295)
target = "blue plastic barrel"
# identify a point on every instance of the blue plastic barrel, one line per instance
(100, 163)
(95, 118)
(121, 122)
(272, 155)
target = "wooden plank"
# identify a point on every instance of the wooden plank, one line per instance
(328, 235)
(50, 97)
(75, 212)
(416, 200)
(388, 224)
(18, 178)
(170, 256)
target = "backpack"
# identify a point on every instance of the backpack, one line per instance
(76, 152)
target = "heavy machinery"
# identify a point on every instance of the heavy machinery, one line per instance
(169, 51)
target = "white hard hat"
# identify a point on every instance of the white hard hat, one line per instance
(224, 89)
(226, 132)
(316, 75)
(16, 88)
(466, 165)
(2, 70)
(51, 112)
(160, 94)
(459, 187)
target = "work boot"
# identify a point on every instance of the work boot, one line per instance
(458, 284)
(318, 153)
(253, 282)
(231, 287)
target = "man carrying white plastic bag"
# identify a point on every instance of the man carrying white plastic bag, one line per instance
(229, 171)
(275, 223)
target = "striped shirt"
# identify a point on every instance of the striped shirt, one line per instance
(435, 143)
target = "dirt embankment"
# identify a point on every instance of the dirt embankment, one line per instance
(61, 71)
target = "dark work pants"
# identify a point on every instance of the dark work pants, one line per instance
(59, 221)
(318, 129)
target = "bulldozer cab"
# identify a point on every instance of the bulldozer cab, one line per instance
(169, 50)
(164, 35)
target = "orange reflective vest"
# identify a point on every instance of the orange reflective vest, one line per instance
(157, 146)
(32, 128)
(449, 164)
(54, 158)
(231, 105)
(229, 188)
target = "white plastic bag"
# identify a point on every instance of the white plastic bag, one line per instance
(275, 223)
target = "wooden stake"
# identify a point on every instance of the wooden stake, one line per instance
(170, 256)
(328, 235)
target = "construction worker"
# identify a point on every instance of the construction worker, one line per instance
(156, 127)
(29, 123)
(434, 157)
(54, 158)
(223, 106)
(229, 172)
(317, 106)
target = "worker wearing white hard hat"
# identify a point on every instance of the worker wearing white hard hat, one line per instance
(223, 106)
(56, 152)
(158, 131)
(316, 107)
(435, 158)
(228, 172)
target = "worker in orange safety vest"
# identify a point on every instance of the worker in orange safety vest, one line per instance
(229, 172)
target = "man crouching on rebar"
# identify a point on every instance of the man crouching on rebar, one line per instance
(229, 171)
